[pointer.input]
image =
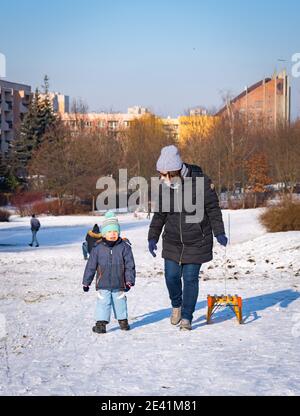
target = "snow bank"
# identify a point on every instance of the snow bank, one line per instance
(47, 345)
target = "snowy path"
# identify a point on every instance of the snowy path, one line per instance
(48, 346)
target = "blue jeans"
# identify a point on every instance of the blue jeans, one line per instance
(186, 298)
(108, 300)
(34, 239)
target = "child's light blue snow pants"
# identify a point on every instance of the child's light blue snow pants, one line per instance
(111, 299)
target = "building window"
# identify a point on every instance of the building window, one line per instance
(113, 125)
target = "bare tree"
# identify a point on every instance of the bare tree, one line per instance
(69, 166)
(79, 110)
(284, 149)
(144, 139)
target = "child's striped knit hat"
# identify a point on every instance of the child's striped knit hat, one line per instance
(110, 223)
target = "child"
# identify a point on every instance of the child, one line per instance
(113, 261)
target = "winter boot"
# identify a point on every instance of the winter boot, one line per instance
(176, 316)
(124, 324)
(185, 325)
(100, 327)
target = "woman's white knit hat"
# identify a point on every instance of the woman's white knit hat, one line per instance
(169, 160)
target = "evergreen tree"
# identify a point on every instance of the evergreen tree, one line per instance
(8, 181)
(27, 137)
(37, 121)
(3, 171)
(47, 117)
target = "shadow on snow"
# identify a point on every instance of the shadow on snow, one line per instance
(251, 308)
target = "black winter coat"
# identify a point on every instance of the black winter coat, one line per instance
(92, 238)
(183, 242)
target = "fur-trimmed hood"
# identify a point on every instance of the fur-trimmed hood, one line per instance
(95, 235)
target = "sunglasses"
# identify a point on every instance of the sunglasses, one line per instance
(163, 175)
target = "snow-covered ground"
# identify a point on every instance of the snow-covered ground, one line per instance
(47, 346)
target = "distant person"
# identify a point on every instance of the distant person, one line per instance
(113, 263)
(35, 226)
(93, 236)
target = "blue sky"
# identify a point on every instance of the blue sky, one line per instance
(167, 55)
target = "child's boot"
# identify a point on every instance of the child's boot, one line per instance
(124, 324)
(100, 327)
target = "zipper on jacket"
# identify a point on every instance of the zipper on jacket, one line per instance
(111, 266)
(180, 227)
(201, 230)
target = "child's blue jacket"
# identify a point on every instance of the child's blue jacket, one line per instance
(114, 266)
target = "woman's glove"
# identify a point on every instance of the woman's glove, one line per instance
(152, 245)
(222, 239)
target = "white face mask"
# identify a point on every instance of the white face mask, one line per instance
(174, 184)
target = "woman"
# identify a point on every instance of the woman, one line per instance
(186, 246)
(93, 236)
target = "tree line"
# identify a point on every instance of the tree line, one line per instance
(49, 155)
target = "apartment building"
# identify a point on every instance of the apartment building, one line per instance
(60, 102)
(14, 102)
(114, 122)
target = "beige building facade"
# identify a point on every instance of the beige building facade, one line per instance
(14, 102)
(60, 102)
